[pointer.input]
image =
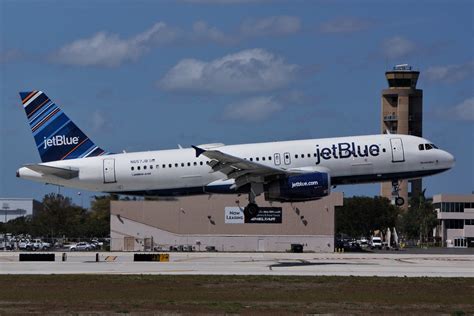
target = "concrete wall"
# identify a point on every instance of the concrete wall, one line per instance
(200, 221)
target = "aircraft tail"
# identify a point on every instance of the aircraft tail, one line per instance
(56, 136)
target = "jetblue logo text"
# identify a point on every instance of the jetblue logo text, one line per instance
(346, 150)
(60, 140)
(304, 184)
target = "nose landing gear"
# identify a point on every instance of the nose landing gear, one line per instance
(399, 201)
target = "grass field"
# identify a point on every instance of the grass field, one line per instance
(146, 294)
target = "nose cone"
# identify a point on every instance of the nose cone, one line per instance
(448, 159)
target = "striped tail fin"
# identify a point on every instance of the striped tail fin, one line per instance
(56, 136)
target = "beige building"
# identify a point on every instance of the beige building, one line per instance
(402, 113)
(456, 219)
(217, 221)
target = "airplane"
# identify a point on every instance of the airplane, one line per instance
(285, 171)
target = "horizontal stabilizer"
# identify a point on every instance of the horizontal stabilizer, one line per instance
(63, 173)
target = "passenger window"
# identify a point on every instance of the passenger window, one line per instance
(138, 168)
(296, 156)
(263, 158)
(200, 163)
(163, 166)
(309, 155)
(182, 164)
(151, 167)
(157, 166)
(133, 168)
(314, 154)
(195, 163)
(189, 164)
(144, 167)
(420, 147)
(257, 159)
(269, 157)
(176, 165)
(251, 159)
(170, 165)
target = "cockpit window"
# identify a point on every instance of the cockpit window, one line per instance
(421, 147)
(428, 146)
(434, 146)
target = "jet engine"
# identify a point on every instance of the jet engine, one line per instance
(298, 188)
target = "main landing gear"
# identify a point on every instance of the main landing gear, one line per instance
(252, 208)
(399, 201)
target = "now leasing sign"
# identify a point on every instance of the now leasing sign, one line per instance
(234, 215)
(265, 215)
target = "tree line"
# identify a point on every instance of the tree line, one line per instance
(361, 216)
(58, 216)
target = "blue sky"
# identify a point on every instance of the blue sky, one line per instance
(146, 75)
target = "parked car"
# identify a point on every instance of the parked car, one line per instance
(376, 242)
(25, 244)
(81, 246)
(38, 244)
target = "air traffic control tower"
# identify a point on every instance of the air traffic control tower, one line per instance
(402, 113)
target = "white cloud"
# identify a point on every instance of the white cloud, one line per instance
(250, 70)
(270, 26)
(10, 55)
(397, 46)
(450, 73)
(202, 31)
(253, 109)
(345, 25)
(464, 111)
(109, 50)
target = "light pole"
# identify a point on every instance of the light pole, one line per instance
(5, 208)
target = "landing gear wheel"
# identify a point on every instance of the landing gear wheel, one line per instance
(251, 210)
(399, 201)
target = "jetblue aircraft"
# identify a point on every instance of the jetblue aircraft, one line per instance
(287, 171)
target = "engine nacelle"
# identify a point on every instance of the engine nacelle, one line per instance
(298, 188)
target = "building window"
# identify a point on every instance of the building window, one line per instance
(454, 223)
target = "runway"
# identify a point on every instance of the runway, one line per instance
(328, 264)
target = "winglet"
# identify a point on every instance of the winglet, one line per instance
(199, 151)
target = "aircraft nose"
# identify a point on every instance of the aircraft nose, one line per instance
(449, 159)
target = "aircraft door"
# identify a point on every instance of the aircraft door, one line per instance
(287, 158)
(397, 150)
(277, 159)
(109, 170)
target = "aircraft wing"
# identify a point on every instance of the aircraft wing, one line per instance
(63, 173)
(243, 171)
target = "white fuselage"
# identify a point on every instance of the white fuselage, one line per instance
(355, 159)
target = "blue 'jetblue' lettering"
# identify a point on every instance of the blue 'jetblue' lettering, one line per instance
(346, 150)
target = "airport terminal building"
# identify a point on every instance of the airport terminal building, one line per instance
(11, 208)
(217, 223)
(456, 219)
